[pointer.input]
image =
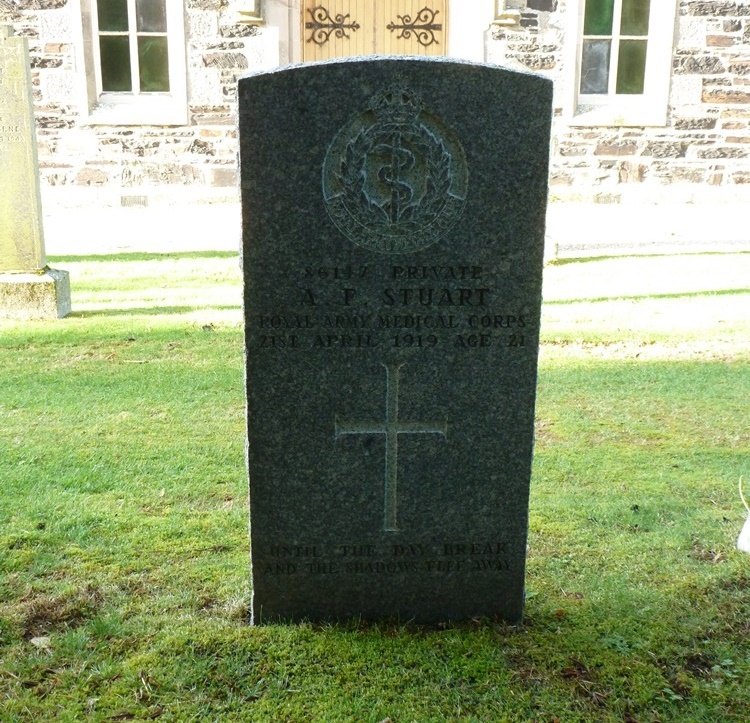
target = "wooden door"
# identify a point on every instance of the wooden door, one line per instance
(341, 28)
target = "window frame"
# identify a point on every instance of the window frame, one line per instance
(611, 109)
(148, 108)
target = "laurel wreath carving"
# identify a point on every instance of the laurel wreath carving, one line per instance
(353, 177)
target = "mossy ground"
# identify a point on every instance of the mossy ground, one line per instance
(124, 583)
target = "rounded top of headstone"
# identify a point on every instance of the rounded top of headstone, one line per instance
(384, 60)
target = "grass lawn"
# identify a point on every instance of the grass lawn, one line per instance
(124, 583)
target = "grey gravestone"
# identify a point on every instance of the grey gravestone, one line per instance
(29, 289)
(393, 243)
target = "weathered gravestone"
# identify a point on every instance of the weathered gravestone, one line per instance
(28, 288)
(393, 242)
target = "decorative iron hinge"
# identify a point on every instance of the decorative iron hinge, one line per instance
(423, 26)
(323, 25)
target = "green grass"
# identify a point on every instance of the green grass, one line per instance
(124, 585)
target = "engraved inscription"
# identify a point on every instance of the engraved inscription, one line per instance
(404, 559)
(12, 74)
(391, 428)
(416, 307)
(11, 133)
(11, 94)
(395, 177)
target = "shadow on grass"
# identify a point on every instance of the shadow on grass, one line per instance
(645, 297)
(143, 256)
(150, 311)
(566, 261)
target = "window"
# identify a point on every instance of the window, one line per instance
(623, 61)
(614, 48)
(133, 52)
(134, 55)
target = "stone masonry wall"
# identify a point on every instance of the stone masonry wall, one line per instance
(706, 141)
(73, 153)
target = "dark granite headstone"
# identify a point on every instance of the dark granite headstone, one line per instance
(393, 243)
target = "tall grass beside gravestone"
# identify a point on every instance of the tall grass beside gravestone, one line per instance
(123, 518)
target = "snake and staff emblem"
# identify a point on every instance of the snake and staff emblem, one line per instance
(401, 161)
(395, 177)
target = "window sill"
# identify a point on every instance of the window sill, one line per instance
(132, 111)
(618, 115)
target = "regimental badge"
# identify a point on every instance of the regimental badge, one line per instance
(395, 177)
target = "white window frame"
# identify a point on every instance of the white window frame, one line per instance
(101, 108)
(247, 12)
(646, 109)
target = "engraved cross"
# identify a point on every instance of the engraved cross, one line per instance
(391, 428)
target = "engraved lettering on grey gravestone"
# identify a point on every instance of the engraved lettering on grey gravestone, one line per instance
(395, 177)
(323, 25)
(391, 428)
(423, 26)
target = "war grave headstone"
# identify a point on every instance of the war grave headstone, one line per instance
(29, 289)
(393, 222)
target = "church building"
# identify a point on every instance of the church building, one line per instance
(135, 98)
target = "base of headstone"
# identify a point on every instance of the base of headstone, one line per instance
(43, 295)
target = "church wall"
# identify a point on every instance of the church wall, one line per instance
(706, 142)
(74, 153)
(707, 139)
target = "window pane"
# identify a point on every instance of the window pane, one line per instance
(635, 17)
(631, 71)
(598, 17)
(595, 66)
(112, 14)
(154, 65)
(115, 57)
(151, 16)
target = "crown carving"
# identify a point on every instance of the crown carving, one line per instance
(397, 105)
